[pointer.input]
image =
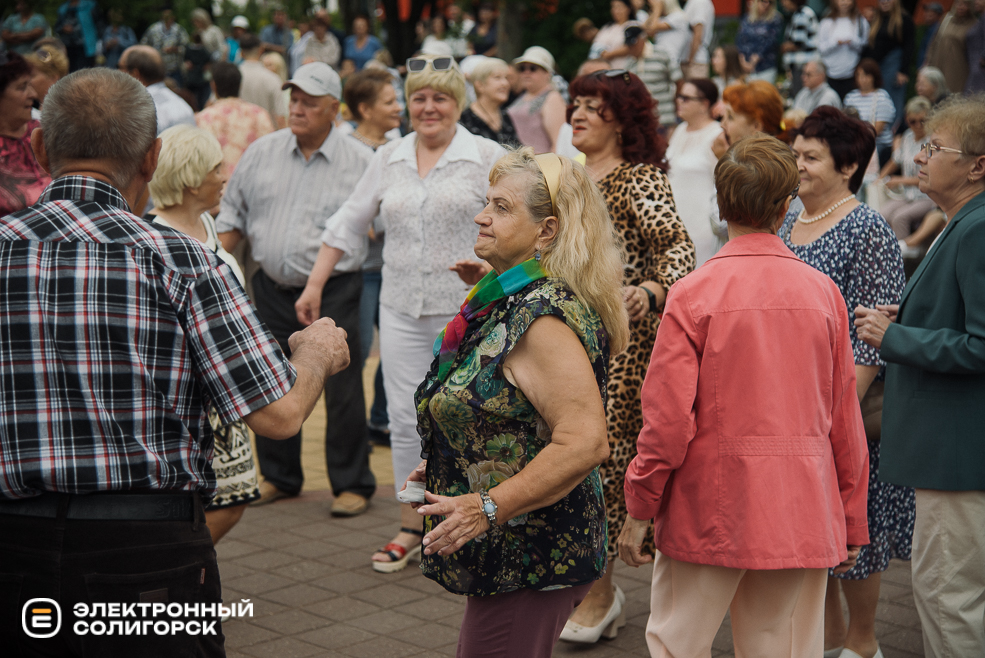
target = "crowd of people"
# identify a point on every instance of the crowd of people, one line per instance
(663, 311)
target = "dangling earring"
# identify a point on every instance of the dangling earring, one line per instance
(537, 254)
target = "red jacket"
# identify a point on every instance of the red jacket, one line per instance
(752, 454)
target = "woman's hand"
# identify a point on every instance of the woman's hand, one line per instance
(902, 79)
(637, 302)
(471, 271)
(849, 561)
(871, 324)
(308, 306)
(464, 521)
(889, 310)
(419, 474)
(630, 542)
(894, 181)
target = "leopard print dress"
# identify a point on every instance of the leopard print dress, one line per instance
(657, 248)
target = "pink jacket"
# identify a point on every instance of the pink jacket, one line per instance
(752, 454)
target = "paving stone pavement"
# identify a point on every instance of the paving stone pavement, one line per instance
(315, 594)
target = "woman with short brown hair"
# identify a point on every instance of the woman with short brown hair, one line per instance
(713, 455)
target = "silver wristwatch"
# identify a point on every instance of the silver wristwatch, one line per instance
(489, 507)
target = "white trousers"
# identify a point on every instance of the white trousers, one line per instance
(775, 614)
(949, 572)
(405, 353)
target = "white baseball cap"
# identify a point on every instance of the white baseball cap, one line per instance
(537, 55)
(317, 79)
(241, 21)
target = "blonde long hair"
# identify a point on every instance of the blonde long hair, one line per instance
(586, 252)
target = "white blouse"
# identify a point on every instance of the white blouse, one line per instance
(427, 221)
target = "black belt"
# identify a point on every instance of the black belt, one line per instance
(108, 506)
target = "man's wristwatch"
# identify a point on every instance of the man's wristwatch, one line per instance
(489, 507)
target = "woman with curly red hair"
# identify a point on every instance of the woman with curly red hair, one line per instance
(614, 125)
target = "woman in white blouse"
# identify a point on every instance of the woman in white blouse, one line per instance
(841, 36)
(426, 188)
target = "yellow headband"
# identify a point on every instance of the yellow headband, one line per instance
(550, 166)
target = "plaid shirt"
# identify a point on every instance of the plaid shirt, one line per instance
(802, 32)
(114, 336)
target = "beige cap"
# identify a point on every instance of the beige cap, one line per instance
(536, 55)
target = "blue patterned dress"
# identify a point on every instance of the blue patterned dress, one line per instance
(861, 254)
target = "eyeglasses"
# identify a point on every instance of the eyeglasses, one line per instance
(614, 73)
(529, 68)
(930, 149)
(418, 64)
(792, 195)
(696, 99)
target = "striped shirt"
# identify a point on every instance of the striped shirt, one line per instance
(280, 201)
(660, 74)
(114, 336)
(802, 32)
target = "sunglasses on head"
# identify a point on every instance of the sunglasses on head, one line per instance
(418, 64)
(614, 73)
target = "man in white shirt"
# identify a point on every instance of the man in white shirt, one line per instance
(701, 16)
(260, 86)
(283, 189)
(816, 91)
(145, 64)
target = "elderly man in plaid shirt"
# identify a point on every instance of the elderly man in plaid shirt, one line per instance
(116, 336)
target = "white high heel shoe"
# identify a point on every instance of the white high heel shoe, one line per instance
(608, 628)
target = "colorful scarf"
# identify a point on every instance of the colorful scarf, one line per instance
(479, 303)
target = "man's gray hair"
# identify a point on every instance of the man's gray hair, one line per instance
(819, 65)
(99, 114)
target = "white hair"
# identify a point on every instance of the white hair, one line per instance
(188, 154)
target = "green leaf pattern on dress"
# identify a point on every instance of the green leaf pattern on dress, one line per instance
(478, 430)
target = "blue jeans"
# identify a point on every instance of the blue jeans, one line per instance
(890, 67)
(369, 316)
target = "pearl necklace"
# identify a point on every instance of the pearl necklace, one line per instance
(804, 220)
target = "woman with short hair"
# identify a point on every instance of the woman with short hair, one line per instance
(360, 46)
(931, 85)
(538, 113)
(511, 412)
(49, 65)
(874, 105)
(485, 116)
(935, 383)
(854, 245)
(424, 187)
(614, 126)
(187, 183)
(692, 164)
(21, 177)
(753, 493)
(907, 205)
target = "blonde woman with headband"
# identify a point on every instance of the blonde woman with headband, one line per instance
(425, 187)
(512, 411)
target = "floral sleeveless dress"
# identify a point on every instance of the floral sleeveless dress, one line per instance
(478, 430)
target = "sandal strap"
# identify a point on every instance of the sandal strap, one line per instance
(412, 531)
(395, 551)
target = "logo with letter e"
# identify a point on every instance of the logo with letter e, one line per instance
(41, 618)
